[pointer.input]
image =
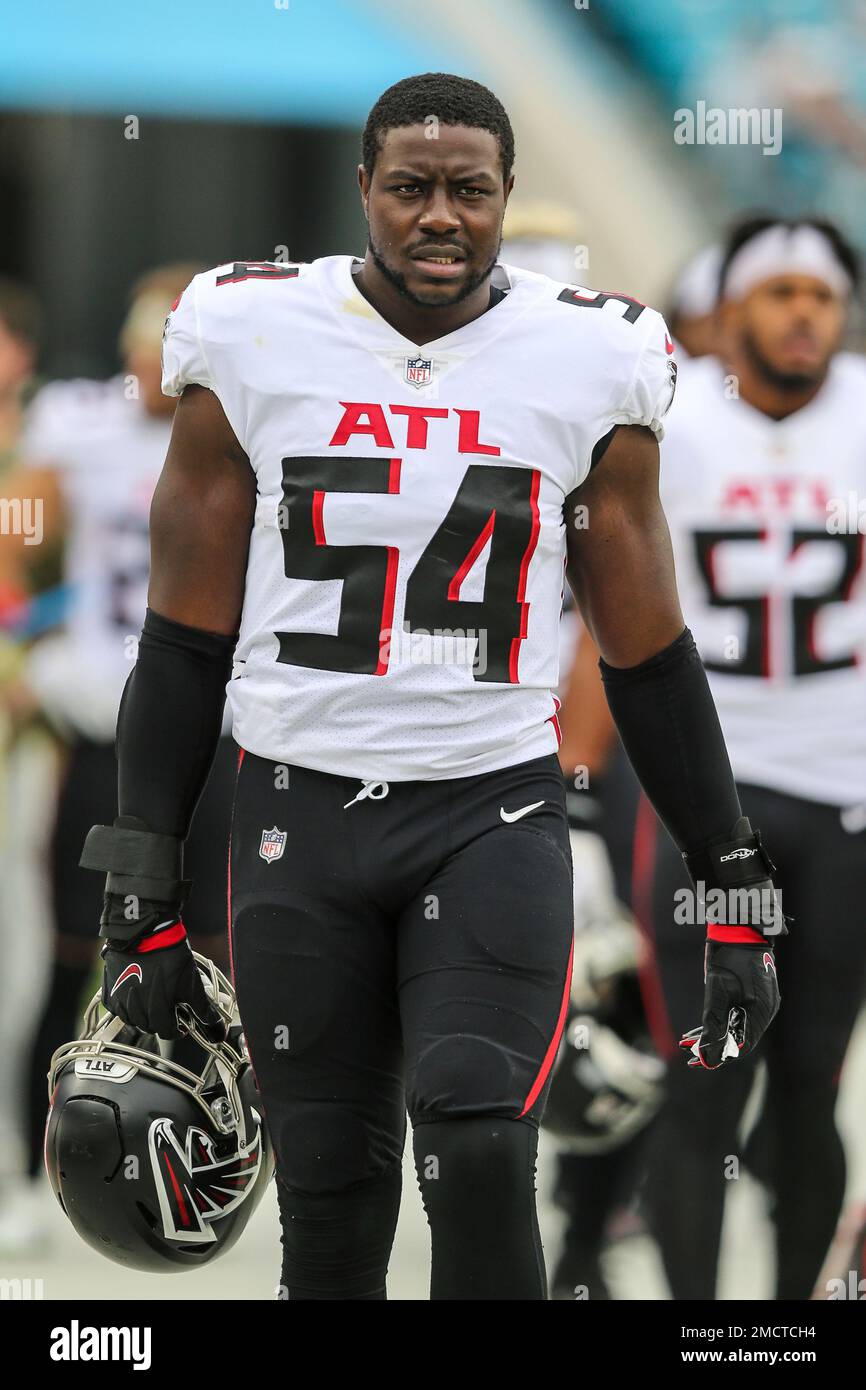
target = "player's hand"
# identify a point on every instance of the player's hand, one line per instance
(741, 999)
(144, 983)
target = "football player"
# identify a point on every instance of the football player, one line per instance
(23, 756)
(378, 469)
(93, 451)
(693, 302)
(760, 466)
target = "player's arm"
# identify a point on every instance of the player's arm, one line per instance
(201, 518)
(171, 712)
(620, 566)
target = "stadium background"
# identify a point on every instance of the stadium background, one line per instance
(215, 130)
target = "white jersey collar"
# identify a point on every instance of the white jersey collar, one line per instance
(334, 274)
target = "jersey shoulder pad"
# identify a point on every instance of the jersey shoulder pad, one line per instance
(638, 352)
(210, 310)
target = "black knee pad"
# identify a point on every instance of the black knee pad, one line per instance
(337, 1244)
(323, 1147)
(456, 1155)
(461, 1073)
(477, 1181)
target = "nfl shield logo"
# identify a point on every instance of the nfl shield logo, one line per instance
(273, 844)
(419, 371)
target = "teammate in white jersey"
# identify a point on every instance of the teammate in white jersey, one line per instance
(92, 454)
(377, 473)
(760, 464)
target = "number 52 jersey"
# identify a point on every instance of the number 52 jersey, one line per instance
(769, 545)
(406, 567)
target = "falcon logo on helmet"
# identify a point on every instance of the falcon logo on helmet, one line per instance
(193, 1185)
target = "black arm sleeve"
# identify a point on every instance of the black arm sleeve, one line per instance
(169, 722)
(670, 729)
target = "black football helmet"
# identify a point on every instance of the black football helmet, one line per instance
(157, 1167)
(607, 1079)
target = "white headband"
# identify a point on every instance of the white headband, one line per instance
(785, 251)
(696, 291)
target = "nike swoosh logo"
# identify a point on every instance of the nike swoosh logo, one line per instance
(127, 974)
(509, 816)
(669, 346)
(768, 963)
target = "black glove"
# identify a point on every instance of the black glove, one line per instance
(741, 999)
(144, 982)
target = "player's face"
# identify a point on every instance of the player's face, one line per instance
(435, 205)
(16, 360)
(144, 363)
(791, 326)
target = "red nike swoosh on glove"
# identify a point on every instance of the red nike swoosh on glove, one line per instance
(768, 962)
(126, 975)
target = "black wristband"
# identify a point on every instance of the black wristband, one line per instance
(733, 883)
(144, 885)
(737, 862)
(136, 860)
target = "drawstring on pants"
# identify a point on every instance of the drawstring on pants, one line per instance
(369, 789)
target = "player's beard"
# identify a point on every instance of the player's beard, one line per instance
(773, 376)
(398, 280)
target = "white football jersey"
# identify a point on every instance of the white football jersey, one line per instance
(108, 453)
(770, 573)
(406, 566)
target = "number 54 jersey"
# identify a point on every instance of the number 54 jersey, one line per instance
(406, 565)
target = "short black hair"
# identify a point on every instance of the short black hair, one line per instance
(452, 100)
(748, 227)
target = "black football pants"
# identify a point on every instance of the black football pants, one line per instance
(410, 949)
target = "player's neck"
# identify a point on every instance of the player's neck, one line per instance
(413, 321)
(770, 397)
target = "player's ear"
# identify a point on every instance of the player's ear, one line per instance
(364, 185)
(508, 187)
